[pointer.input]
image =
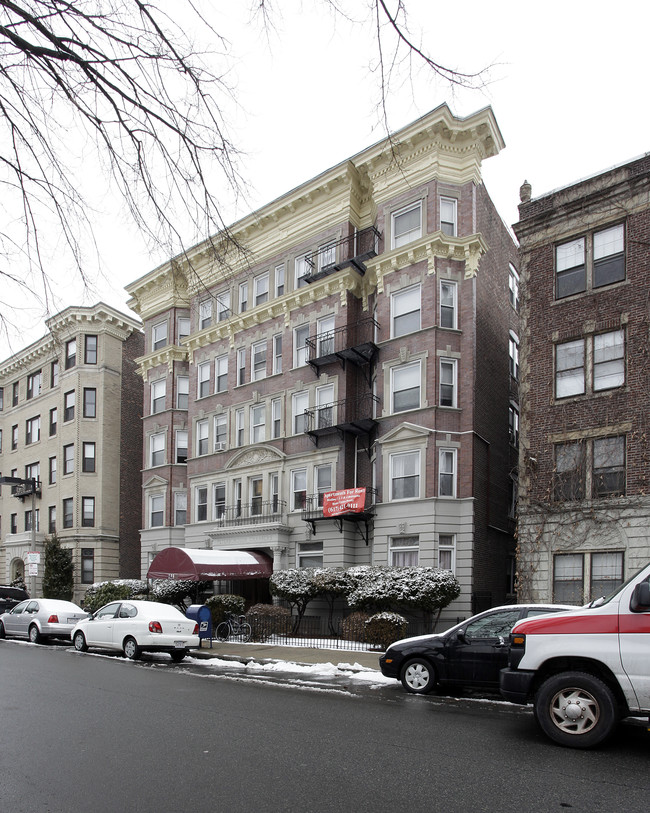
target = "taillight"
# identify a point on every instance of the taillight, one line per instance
(195, 631)
(53, 619)
(154, 626)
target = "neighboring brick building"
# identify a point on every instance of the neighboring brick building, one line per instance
(71, 406)
(367, 337)
(584, 512)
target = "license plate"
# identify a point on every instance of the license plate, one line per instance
(72, 620)
(179, 644)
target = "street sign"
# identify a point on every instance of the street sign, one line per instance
(33, 558)
(32, 570)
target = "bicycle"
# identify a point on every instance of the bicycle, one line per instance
(234, 629)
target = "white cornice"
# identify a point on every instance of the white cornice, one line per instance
(167, 355)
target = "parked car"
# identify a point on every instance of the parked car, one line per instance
(135, 627)
(469, 655)
(40, 618)
(10, 596)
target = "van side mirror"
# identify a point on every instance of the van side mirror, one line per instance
(640, 598)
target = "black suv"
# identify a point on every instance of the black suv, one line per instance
(10, 596)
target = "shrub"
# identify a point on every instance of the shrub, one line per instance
(383, 629)
(58, 573)
(353, 627)
(222, 605)
(101, 593)
(267, 620)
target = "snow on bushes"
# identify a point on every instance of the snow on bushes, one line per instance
(383, 629)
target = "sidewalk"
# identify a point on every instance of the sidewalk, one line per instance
(264, 653)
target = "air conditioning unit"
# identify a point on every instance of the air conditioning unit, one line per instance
(220, 447)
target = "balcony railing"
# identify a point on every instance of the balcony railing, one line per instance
(257, 512)
(313, 507)
(355, 343)
(352, 250)
(353, 415)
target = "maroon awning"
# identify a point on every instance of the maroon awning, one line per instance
(198, 564)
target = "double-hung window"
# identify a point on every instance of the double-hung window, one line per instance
(255, 492)
(513, 285)
(323, 477)
(205, 314)
(405, 387)
(221, 374)
(300, 402)
(449, 216)
(203, 379)
(90, 348)
(33, 430)
(243, 297)
(592, 261)
(34, 382)
(156, 511)
(68, 513)
(325, 406)
(183, 327)
(159, 336)
(90, 402)
(201, 437)
(261, 289)
(325, 336)
(447, 473)
(52, 471)
(448, 382)
(277, 354)
(513, 352)
(405, 311)
(302, 271)
(406, 224)
(574, 376)
(158, 394)
(258, 360)
(570, 368)
(241, 366)
(405, 476)
(258, 423)
(300, 336)
(608, 472)
(88, 456)
(609, 360)
(569, 475)
(404, 551)
(181, 445)
(68, 406)
(157, 447)
(298, 489)
(88, 512)
(448, 307)
(447, 552)
(180, 507)
(70, 353)
(326, 256)
(201, 503)
(220, 432)
(68, 459)
(182, 392)
(239, 427)
(276, 418)
(279, 280)
(219, 500)
(54, 373)
(223, 306)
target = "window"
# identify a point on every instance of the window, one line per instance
(70, 353)
(52, 471)
(221, 374)
(310, 554)
(53, 421)
(569, 479)
(298, 489)
(258, 423)
(277, 354)
(159, 336)
(300, 402)
(88, 457)
(573, 376)
(201, 437)
(448, 216)
(513, 425)
(276, 418)
(183, 327)
(14, 437)
(406, 224)
(243, 297)
(606, 573)
(68, 406)
(90, 348)
(33, 471)
(609, 360)
(88, 512)
(223, 306)
(156, 511)
(0, 441)
(300, 336)
(2, 398)
(513, 352)
(51, 519)
(205, 314)
(279, 280)
(241, 366)
(90, 402)
(573, 271)
(405, 476)
(255, 487)
(220, 433)
(158, 394)
(180, 508)
(405, 387)
(54, 373)
(570, 369)
(325, 337)
(181, 445)
(87, 566)
(68, 459)
(157, 449)
(13, 524)
(202, 504)
(448, 293)
(447, 382)
(447, 473)
(325, 406)
(513, 285)
(219, 499)
(261, 289)
(32, 430)
(14, 393)
(302, 270)
(28, 520)
(404, 551)
(182, 392)
(34, 381)
(258, 361)
(323, 477)
(447, 552)
(326, 256)
(239, 427)
(274, 489)
(68, 517)
(203, 379)
(609, 467)
(568, 578)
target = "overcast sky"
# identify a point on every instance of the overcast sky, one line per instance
(568, 89)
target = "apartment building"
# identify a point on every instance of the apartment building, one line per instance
(360, 332)
(70, 421)
(583, 504)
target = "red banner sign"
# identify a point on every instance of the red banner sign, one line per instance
(347, 501)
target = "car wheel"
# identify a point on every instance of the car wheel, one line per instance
(418, 676)
(131, 649)
(576, 710)
(79, 642)
(34, 635)
(177, 657)
(2, 630)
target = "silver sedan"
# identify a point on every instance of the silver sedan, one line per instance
(40, 618)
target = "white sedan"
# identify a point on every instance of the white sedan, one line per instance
(135, 627)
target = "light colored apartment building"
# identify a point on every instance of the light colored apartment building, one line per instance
(363, 335)
(70, 420)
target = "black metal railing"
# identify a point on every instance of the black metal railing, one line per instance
(313, 507)
(359, 336)
(256, 512)
(353, 249)
(356, 415)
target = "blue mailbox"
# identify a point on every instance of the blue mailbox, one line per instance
(203, 617)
